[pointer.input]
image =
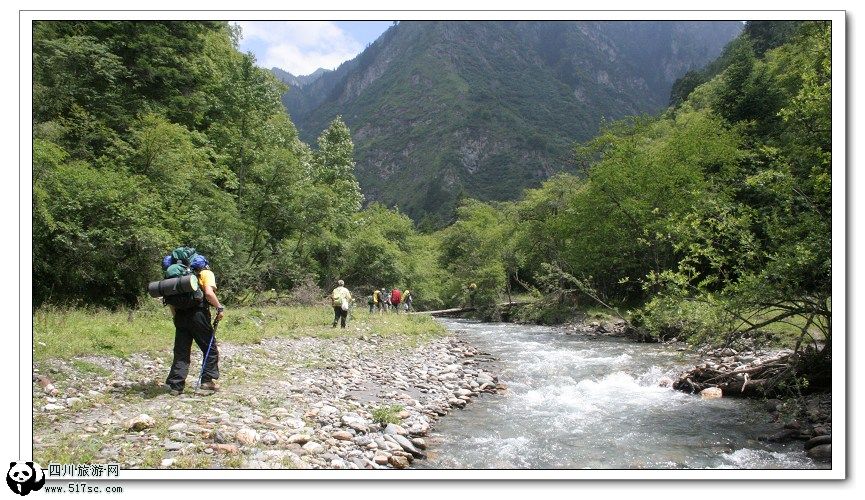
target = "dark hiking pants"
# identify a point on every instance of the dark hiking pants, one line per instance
(192, 324)
(339, 315)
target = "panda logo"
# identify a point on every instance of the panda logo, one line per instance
(24, 477)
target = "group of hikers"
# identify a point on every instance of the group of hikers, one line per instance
(189, 291)
(380, 300)
(394, 300)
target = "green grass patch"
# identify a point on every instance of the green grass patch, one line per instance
(91, 368)
(68, 333)
(387, 414)
(69, 449)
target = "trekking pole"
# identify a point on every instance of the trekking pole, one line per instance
(206, 354)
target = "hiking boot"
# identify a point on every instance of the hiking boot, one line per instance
(209, 386)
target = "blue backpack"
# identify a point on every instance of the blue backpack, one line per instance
(179, 262)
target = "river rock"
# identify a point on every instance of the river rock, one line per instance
(822, 452)
(342, 435)
(299, 438)
(167, 462)
(139, 423)
(246, 436)
(395, 429)
(327, 410)
(711, 393)
(269, 438)
(52, 407)
(313, 447)
(419, 443)
(181, 426)
(356, 422)
(381, 458)
(817, 441)
(407, 446)
(294, 423)
(172, 445)
(227, 448)
(398, 462)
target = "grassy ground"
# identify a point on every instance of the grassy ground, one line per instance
(67, 333)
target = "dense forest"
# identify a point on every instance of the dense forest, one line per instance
(709, 221)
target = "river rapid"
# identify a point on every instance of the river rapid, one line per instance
(580, 402)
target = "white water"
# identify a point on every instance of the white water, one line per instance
(574, 402)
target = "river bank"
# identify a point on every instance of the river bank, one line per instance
(806, 419)
(330, 398)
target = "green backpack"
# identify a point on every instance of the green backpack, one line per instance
(182, 257)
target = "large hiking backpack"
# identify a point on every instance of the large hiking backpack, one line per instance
(181, 258)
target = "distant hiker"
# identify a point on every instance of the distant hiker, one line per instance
(341, 300)
(407, 300)
(395, 299)
(473, 290)
(192, 322)
(385, 299)
(370, 301)
(376, 299)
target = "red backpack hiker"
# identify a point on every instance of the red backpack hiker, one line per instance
(395, 296)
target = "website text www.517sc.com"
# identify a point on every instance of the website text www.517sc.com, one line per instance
(81, 488)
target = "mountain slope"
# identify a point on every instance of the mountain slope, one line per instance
(442, 109)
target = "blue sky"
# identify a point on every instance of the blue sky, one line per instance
(301, 47)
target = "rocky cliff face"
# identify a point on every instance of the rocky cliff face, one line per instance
(442, 109)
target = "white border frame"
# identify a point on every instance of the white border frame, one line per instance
(839, 240)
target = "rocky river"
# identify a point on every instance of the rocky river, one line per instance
(489, 395)
(579, 401)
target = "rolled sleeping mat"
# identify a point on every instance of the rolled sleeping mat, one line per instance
(173, 286)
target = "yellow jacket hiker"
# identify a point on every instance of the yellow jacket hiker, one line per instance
(341, 301)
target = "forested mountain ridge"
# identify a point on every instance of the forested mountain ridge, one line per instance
(439, 110)
(297, 81)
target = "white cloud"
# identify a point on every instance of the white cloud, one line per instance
(299, 47)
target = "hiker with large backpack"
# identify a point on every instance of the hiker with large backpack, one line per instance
(340, 298)
(395, 299)
(192, 319)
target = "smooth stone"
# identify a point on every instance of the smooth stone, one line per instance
(398, 462)
(711, 393)
(299, 438)
(167, 462)
(246, 436)
(342, 435)
(822, 452)
(407, 446)
(173, 446)
(139, 423)
(395, 429)
(313, 447)
(817, 441)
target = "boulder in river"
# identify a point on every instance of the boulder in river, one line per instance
(711, 393)
(822, 452)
